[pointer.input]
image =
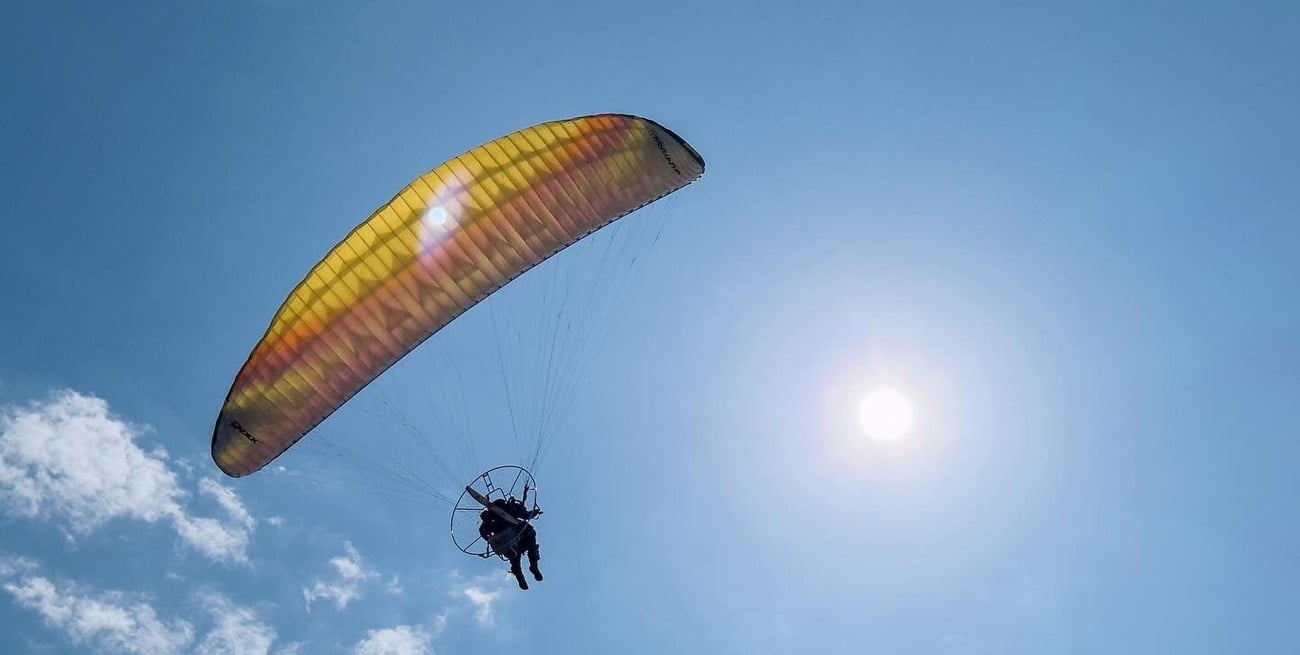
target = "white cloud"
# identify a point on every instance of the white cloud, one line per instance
(226, 498)
(483, 600)
(346, 587)
(11, 565)
(216, 539)
(69, 458)
(440, 623)
(394, 586)
(108, 622)
(116, 622)
(277, 521)
(483, 594)
(236, 629)
(401, 640)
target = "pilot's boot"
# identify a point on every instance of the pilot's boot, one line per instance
(519, 576)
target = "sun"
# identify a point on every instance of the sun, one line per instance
(885, 415)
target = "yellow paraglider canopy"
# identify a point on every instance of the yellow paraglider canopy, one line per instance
(446, 241)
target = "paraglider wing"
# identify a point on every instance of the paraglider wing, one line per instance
(453, 236)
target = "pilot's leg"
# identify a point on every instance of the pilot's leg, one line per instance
(516, 570)
(534, 555)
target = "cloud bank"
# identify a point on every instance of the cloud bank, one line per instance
(69, 459)
(110, 622)
(126, 623)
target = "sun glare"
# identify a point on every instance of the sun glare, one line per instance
(435, 216)
(885, 415)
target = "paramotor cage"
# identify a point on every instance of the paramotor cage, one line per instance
(500, 483)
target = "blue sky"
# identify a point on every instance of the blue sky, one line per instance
(1066, 230)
